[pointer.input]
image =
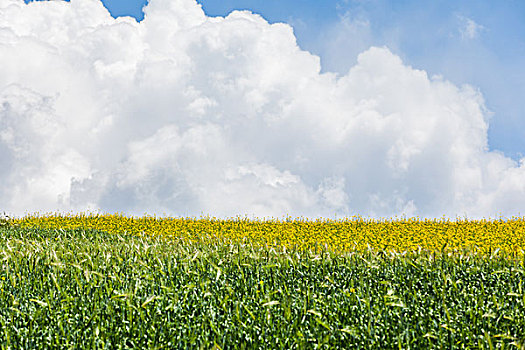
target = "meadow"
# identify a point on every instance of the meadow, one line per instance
(117, 282)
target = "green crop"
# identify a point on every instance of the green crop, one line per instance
(81, 289)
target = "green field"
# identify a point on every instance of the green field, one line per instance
(87, 289)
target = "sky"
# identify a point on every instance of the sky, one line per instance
(264, 108)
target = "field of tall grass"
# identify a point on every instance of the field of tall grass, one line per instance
(116, 282)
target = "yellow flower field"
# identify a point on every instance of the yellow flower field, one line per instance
(344, 235)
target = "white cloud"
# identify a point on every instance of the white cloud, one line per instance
(185, 114)
(469, 29)
(342, 41)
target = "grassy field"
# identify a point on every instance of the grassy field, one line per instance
(64, 285)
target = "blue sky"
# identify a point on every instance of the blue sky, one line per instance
(428, 35)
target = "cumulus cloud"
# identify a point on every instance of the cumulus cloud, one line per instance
(185, 114)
